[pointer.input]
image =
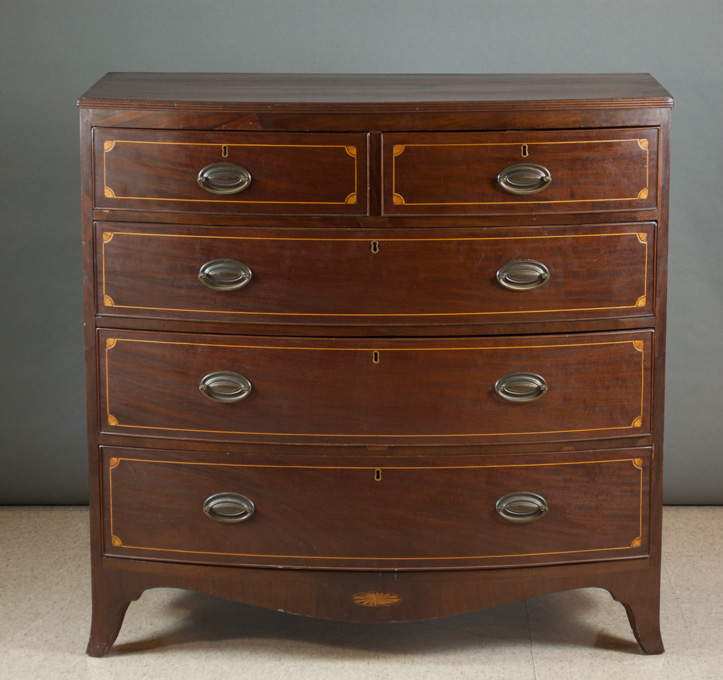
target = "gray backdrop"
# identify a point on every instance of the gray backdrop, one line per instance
(50, 52)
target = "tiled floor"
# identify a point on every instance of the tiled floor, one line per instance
(45, 615)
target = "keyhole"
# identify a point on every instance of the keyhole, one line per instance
(375, 357)
(377, 475)
(375, 246)
(525, 151)
(224, 151)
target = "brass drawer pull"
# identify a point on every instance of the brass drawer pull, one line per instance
(225, 387)
(229, 508)
(224, 178)
(224, 274)
(523, 275)
(521, 507)
(524, 178)
(521, 387)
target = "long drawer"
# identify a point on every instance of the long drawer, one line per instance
(394, 276)
(520, 172)
(231, 172)
(461, 390)
(443, 511)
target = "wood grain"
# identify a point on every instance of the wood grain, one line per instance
(375, 513)
(320, 93)
(291, 174)
(456, 173)
(367, 277)
(410, 392)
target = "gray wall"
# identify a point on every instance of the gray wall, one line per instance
(50, 52)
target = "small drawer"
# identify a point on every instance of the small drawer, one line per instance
(231, 172)
(379, 391)
(419, 512)
(390, 277)
(520, 172)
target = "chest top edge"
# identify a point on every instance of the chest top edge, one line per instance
(348, 93)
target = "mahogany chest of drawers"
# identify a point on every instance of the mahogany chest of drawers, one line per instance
(375, 348)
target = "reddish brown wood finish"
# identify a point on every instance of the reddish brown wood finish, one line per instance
(329, 594)
(291, 174)
(456, 174)
(216, 106)
(364, 277)
(326, 513)
(369, 93)
(382, 392)
(560, 116)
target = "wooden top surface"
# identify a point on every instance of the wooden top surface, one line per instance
(357, 92)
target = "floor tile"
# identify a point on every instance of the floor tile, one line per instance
(585, 633)
(690, 530)
(45, 617)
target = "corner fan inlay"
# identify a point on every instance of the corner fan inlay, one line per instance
(376, 599)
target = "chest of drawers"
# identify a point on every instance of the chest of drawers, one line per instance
(375, 348)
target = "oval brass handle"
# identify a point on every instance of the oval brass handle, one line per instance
(229, 508)
(521, 507)
(224, 178)
(524, 178)
(224, 274)
(523, 275)
(225, 387)
(521, 387)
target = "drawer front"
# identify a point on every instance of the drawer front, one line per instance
(395, 276)
(457, 173)
(505, 389)
(319, 174)
(415, 513)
